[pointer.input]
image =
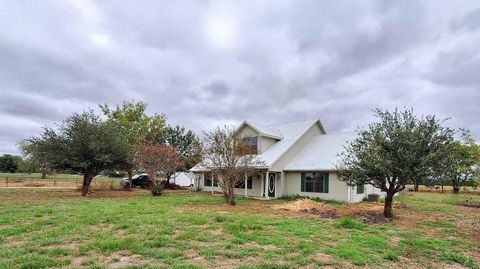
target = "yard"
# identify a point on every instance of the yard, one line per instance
(42, 228)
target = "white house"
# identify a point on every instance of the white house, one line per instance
(184, 179)
(299, 159)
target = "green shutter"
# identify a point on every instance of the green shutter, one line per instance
(325, 183)
(360, 188)
(302, 183)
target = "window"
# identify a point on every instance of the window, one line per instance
(252, 143)
(207, 180)
(241, 184)
(314, 182)
(360, 188)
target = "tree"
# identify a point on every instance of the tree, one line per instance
(83, 143)
(186, 143)
(32, 159)
(230, 158)
(398, 149)
(461, 162)
(8, 164)
(158, 158)
(136, 126)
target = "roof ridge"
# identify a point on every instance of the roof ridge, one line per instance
(294, 141)
(290, 122)
(346, 132)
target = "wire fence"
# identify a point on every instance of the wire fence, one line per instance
(60, 182)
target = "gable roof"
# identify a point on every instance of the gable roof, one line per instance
(291, 132)
(321, 153)
(261, 129)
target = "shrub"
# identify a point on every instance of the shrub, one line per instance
(157, 190)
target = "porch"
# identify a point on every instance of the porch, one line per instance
(262, 184)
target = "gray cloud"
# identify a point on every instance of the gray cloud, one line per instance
(211, 63)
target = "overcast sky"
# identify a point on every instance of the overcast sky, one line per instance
(209, 63)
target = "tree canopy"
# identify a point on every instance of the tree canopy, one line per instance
(8, 163)
(83, 144)
(398, 149)
(186, 144)
(461, 162)
(137, 127)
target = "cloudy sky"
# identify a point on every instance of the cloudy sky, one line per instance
(208, 63)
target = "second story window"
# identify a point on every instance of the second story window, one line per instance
(252, 143)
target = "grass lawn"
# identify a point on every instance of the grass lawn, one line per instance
(42, 228)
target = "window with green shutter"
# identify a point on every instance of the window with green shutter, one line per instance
(207, 180)
(314, 182)
(360, 188)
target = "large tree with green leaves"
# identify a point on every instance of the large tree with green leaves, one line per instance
(83, 143)
(186, 143)
(138, 127)
(461, 162)
(8, 163)
(397, 149)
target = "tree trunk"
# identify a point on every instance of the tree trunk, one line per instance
(87, 179)
(387, 210)
(130, 175)
(167, 180)
(415, 187)
(230, 194)
(44, 175)
(456, 189)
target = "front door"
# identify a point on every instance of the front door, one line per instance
(271, 185)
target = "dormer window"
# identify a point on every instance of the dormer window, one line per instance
(252, 143)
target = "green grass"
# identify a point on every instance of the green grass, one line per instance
(195, 230)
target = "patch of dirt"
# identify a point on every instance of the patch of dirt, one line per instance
(301, 205)
(371, 217)
(70, 245)
(76, 262)
(370, 213)
(34, 185)
(400, 206)
(394, 240)
(124, 259)
(328, 214)
(322, 257)
(469, 203)
(44, 193)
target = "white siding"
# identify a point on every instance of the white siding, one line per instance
(248, 132)
(337, 190)
(283, 161)
(265, 143)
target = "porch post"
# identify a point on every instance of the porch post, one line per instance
(246, 185)
(266, 185)
(282, 183)
(211, 181)
(262, 192)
